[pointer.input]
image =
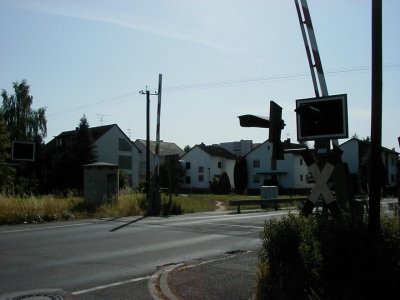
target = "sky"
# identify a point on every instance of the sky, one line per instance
(218, 58)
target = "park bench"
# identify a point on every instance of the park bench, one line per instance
(264, 203)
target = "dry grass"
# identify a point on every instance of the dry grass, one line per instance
(38, 209)
(16, 210)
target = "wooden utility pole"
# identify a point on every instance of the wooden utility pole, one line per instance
(375, 165)
(156, 174)
(150, 202)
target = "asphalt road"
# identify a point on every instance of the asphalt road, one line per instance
(96, 258)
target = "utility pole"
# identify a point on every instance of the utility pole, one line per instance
(156, 185)
(376, 165)
(150, 208)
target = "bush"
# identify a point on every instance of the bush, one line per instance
(318, 257)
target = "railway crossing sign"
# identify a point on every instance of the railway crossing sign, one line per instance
(321, 173)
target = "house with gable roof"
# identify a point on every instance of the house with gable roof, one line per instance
(166, 149)
(290, 173)
(112, 146)
(355, 154)
(202, 163)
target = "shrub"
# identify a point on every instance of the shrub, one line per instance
(319, 257)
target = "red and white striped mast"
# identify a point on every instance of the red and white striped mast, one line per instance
(310, 43)
(314, 59)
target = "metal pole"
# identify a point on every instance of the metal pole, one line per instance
(376, 166)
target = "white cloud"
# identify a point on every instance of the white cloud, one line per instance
(170, 27)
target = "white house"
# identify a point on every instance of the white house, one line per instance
(166, 148)
(290, 173)
(202, 163)
(355, 151)
(112, 146)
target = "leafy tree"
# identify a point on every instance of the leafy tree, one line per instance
(23, 123)
(6, 171)
(221, 184)
(240, 176)
(187, 148)
(83, 152)
(225, 184)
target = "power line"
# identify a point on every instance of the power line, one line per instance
(217, 84)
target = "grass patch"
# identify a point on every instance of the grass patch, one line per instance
(38, 209)
(17, 210)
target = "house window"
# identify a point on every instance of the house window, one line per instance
(201, 169)
(219, 165)
(188, 166)
(201, 178)
(392, 177)
(301, 177)
(125, 162)
(59, 142)
(123, 145)
(256, 163)
(187, 180)
(301, 162)
(256, 178)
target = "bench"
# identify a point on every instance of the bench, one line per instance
(264, 203)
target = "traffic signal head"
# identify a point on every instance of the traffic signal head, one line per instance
(276, 124)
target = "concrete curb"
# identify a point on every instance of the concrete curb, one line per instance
(158, 283)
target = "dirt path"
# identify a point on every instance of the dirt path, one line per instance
(220, 206)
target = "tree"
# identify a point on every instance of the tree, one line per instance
(187, 148)
(28, 125)
(221, 184)
(83, 152)
(22, 122)
(6, 171)
(240, 176)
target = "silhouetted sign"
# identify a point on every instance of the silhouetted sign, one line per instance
(23, 151)
(324, 117)
(275, 124)
(254, 121)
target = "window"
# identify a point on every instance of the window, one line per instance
(125, 162)
(123, 145)
(201, 178)
(201, 169)
(188, 166)
(256, 163)
(219, 165)
(256, 178)
(392, 177)
(187, 180)
(301, 177)
(59, 142)
(301, 162)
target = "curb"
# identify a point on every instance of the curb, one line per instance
(158, 283)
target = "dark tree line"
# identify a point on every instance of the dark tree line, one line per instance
(20, 122)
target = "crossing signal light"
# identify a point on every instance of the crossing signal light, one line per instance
(276, 124)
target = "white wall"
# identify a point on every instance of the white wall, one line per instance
(108, 151)
(199, 158)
